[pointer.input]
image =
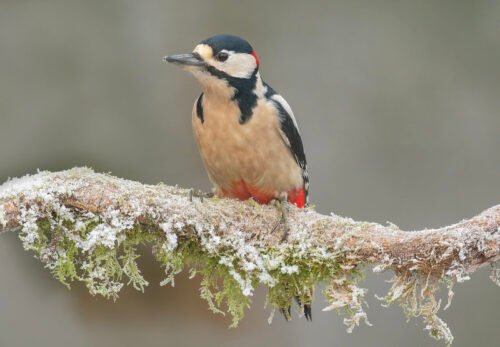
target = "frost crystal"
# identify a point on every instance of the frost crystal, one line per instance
(289, 269)
(101, 235)
(171, 243)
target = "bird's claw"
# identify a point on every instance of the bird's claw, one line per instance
(199, 194)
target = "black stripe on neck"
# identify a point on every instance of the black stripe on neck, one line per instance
(199, 108)
(244, 91)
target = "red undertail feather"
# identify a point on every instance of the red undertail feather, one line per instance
(241, 191)
(297, 197)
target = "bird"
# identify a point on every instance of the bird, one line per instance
(247, 134)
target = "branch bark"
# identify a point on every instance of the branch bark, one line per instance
(325, 248)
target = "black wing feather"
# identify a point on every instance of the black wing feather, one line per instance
(199, 108)
(292, 134)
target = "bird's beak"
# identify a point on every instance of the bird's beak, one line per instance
(189, 59)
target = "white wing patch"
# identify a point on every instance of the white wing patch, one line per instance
(278, 98)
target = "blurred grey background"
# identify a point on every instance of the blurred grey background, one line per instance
(399, 108)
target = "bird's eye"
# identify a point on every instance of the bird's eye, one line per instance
(222, 56)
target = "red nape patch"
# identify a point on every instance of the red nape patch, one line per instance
(297, 197)
(256, 57)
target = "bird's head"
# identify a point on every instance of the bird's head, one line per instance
(225, 59)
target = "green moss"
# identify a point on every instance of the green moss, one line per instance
(130, 268)
(236, 302)
(106, 270)
(217, 287)
(65, 269)
(173, 262)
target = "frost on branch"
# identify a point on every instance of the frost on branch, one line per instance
(86, 227)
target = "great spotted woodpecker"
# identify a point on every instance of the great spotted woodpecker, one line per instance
(246, 133)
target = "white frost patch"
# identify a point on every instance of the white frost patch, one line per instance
(245, 283)
(264, 277)
(275, 262)
(101, 235)
(238, 253)
(351, 299)
(249, 266)
(289, 269)
(171, 236)
(116, 220)
(386, 262)
(29, 231)
(26, 183)
(439, 330)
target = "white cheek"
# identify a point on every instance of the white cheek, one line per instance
(240, 65)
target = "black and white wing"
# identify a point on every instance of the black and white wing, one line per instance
(290, 133)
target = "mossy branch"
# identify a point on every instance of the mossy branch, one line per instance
(86, 226)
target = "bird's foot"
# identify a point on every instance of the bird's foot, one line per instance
(199, 194)
(283, 220)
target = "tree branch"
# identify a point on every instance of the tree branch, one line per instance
(85, 226)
